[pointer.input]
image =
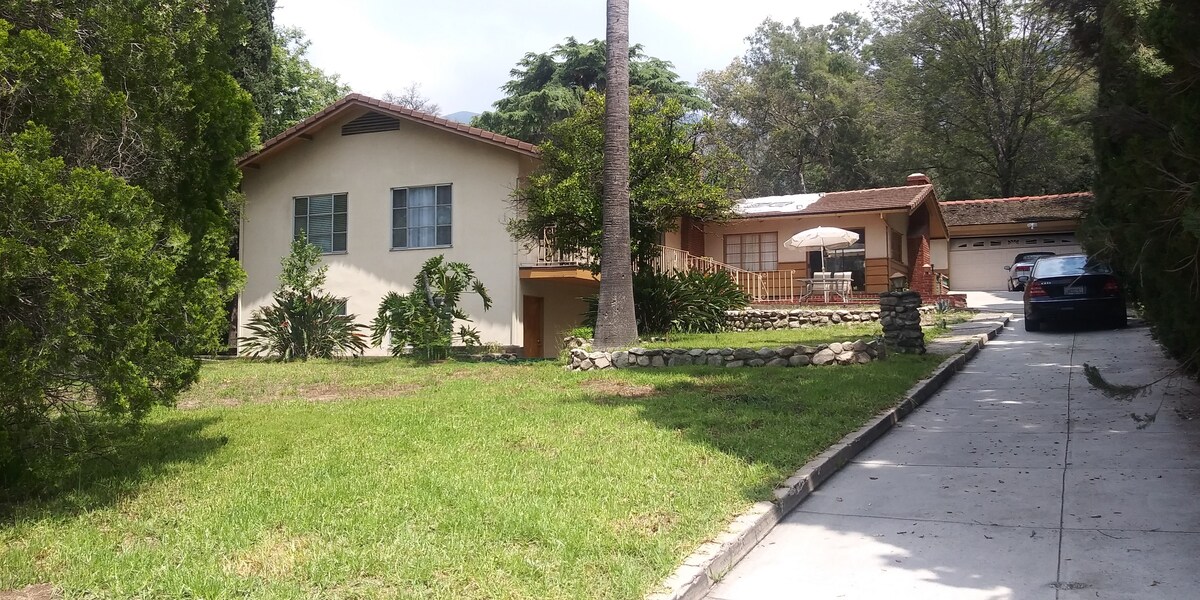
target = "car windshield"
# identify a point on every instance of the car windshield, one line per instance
(1061, 266)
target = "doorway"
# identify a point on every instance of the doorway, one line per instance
(533, 315)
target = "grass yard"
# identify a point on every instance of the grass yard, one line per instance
(388, 479)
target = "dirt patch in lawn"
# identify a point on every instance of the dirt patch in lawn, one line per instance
(614, 387)
(41, 591)
(646, 524)
(276, 556)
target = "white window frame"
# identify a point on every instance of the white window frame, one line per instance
(436, 226)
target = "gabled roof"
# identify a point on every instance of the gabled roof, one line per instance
(352, 101)
(1023, 209)
(906, 197)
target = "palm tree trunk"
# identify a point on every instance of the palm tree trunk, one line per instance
(616, 325)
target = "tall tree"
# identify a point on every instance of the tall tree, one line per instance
(296, 87)
(616, 324)
(678, 168)
(143, 93)
(252, 59)
(1146, 216)
(797, 107)
(548, 87)
(986, 94)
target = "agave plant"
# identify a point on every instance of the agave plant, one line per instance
(299, 327)
(304, 322)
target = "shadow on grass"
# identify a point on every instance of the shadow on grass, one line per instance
(135, 456)
(780, 418)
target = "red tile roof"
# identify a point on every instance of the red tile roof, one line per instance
(870, 200)
(395, 110)
(1022, 209)
(906, 197)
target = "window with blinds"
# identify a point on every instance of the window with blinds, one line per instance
(421, 217)
(323, 219)
(753, 251)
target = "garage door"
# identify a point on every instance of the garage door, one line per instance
(978, 263)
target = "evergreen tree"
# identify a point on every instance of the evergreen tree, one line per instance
(548, 87)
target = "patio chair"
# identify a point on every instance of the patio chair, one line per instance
(842, 284)
(824, 284)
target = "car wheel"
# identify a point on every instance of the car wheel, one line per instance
(1031, 325)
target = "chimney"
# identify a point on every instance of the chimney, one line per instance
(917, 179)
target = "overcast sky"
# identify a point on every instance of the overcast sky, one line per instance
(461, 51)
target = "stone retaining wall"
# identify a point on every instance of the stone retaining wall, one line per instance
(840, 353)
(775, 319)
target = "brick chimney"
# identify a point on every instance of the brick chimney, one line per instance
(917, 179)
(921, 280)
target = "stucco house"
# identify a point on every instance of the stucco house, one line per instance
(986, 234)
(381, 188)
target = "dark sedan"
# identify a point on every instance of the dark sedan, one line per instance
(1074, 288)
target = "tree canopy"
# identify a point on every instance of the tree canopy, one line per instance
(797, 107)
(985, 94)
(677, 168)
(1146, 216)
(121, 123)
(550, 86)
(295, 88)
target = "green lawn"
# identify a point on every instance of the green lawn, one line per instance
(385, 479)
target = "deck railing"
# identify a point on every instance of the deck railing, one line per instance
(544, 254)
(761, 286)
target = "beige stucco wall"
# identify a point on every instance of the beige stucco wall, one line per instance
(876, 242)
(563, 309)
(366, 167)
(939, 253)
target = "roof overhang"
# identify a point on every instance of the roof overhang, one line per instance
(356, 104)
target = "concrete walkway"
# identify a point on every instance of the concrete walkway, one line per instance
(1017, 480)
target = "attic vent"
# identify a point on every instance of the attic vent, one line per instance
(370, 123)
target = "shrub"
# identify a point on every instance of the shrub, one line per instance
(90, 332)
(304, 322)
(583, 332)
(424, 318)
(693, 302)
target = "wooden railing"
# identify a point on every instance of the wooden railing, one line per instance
(544, 254)
(761, 286)
(775, 285)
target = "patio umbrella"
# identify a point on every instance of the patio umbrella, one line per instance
(824, 238)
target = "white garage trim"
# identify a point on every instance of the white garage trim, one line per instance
(978, 263)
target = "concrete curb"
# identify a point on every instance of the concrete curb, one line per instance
(714, 559)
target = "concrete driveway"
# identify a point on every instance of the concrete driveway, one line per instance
(1017, 480)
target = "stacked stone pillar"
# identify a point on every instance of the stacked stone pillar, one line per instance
(900, 315)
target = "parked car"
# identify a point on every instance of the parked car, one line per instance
(1072, 287)
(1018, 271)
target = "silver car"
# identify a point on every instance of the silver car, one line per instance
(1022, 265)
